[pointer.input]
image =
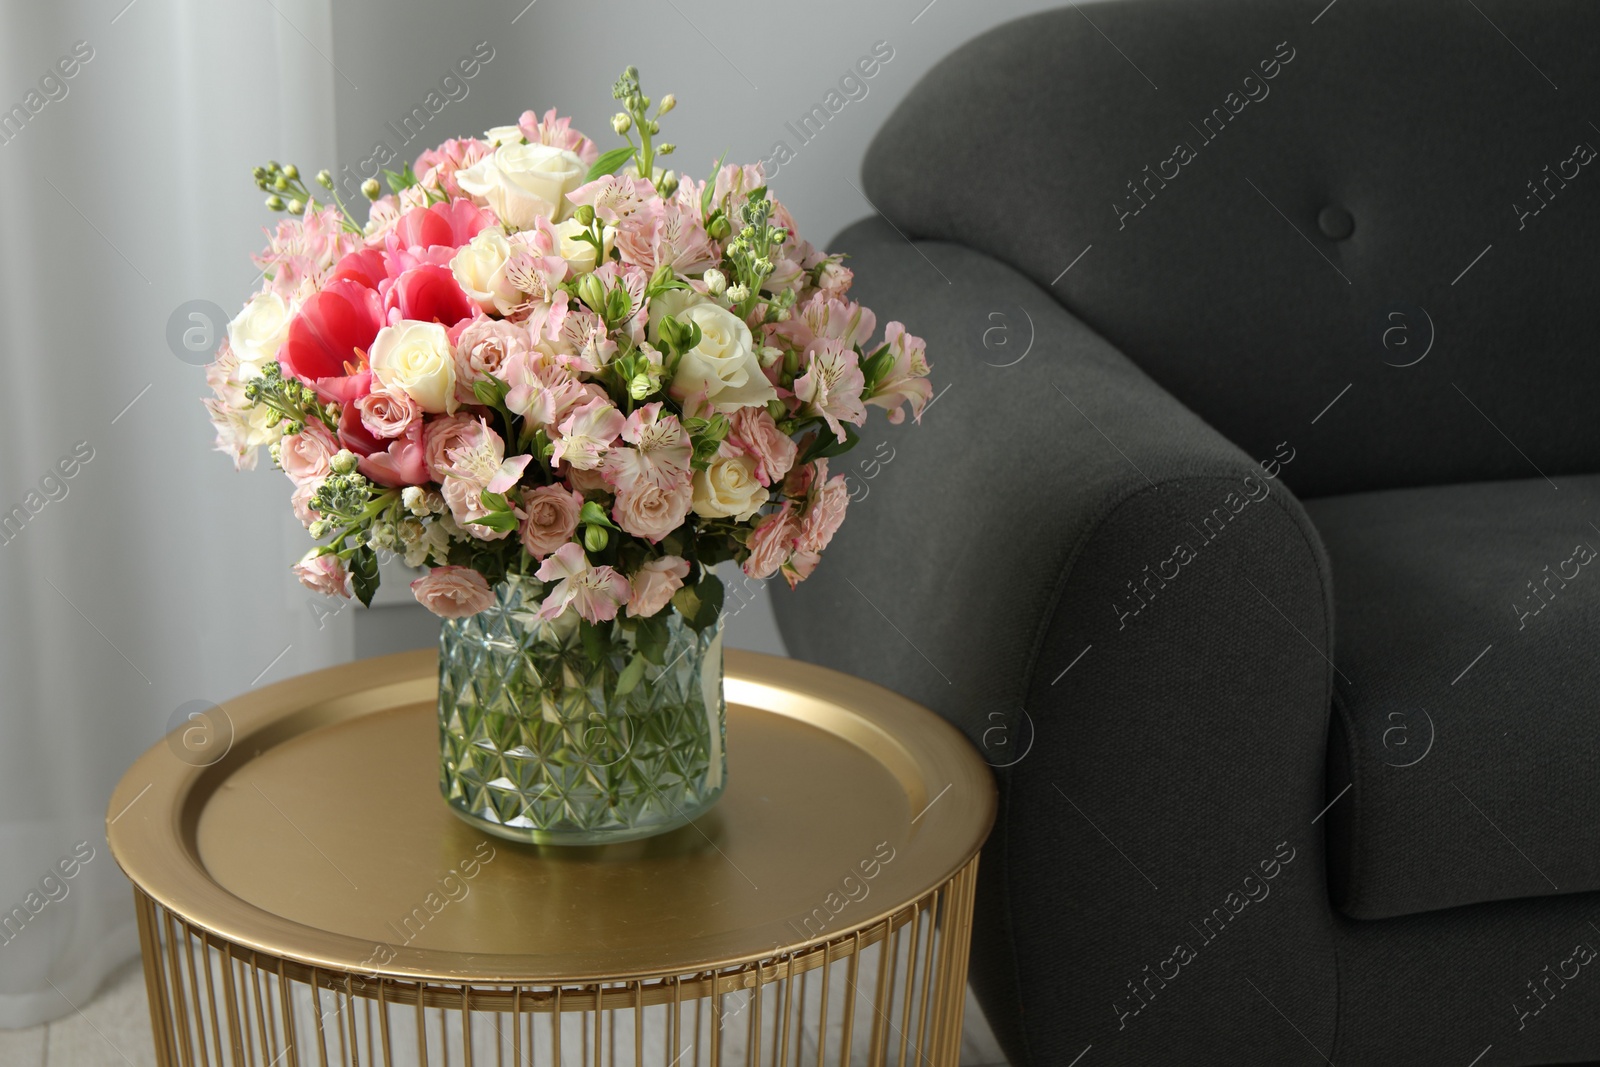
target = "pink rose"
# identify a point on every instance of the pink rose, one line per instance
(652, 512)
(772, 542)
(323, 574)
(481, 350)
(441, 435)
(798, 483)
(301, 502)
(823, 517)
(401, 463)
(453, 592)
(304, 456)
(652, 587)
(388, 414)
(799, 567)
(550, 517)
(754, 434)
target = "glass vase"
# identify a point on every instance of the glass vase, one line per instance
(547, 735)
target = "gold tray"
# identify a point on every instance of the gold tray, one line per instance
(320, 836)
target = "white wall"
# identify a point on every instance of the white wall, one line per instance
(770, 64)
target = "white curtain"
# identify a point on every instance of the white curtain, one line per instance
(154, 576)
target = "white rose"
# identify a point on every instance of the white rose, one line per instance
(479, 267)
(522, 183)
(728, 489)
(580, 254)
(499, 135)
(416, 358)
(724, 364)
(257, 331)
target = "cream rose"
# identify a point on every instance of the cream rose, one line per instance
(479, 267)
(522, 183)
(728, 489)
(580, 254)
(257, 331)
(417, 359)
(724, 365)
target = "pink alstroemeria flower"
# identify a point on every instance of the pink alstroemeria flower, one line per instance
(596, 592)
(831, 386)
(587, 433)
(660, 456)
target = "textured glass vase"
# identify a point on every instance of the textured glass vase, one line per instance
(536, 745)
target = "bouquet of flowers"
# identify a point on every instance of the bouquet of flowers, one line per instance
(535, 359)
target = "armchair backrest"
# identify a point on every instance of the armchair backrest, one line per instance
(1368, 229)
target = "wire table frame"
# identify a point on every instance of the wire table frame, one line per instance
(238, 977)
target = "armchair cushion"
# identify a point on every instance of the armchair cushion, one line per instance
(1004, 565)
(1468, 695)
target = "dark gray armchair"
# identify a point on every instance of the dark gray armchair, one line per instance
(1250, 538)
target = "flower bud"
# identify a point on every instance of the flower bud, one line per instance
(592, 292)
(414, 500)
(621, 122)
(716, 282)
(720, 228)
(777, 410)
(584, 215)
(654, 126)
(667, 149)
(595, 538)
(325, 178)
(668, 102)
(259, 174)
(344, 461)
(319, 528)
(291, 172)
(274, 203)
(370, 189)
(296, 207)
(739, 293)
(640, 386)
(280, 183)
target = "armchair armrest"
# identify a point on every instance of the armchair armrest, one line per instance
(1132, 620)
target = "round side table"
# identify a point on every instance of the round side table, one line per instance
(305, 896)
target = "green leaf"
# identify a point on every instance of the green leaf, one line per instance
(495, 502)
(826, 445)
(631, 675)
(711, 184)
(595, 515)
(403, 179)
(875, 366)
(364, 574)
(687, 603)
(709, 592)
(505, 521)
(650, 637)
(596, 641)
(610, 162)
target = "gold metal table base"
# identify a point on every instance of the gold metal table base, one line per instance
(250, 964)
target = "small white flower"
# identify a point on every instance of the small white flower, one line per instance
(716, 281)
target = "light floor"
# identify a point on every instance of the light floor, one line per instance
(113, 1030)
